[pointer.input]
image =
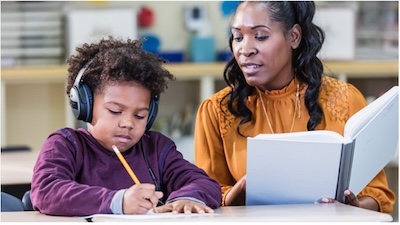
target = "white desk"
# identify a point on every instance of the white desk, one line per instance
(17, 167)
(268, 213)
(34, 216)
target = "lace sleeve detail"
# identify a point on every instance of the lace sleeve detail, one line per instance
(225, 117)
(334, 98)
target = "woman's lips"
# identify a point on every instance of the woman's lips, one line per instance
(250, 68)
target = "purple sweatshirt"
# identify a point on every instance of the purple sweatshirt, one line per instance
(75, 176)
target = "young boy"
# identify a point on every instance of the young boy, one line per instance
(114, 86)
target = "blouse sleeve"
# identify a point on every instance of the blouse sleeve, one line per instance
(209, 148)
(378, 188)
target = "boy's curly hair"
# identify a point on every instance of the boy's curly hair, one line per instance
(117, 61)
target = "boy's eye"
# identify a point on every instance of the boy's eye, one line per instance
(139, 117)
(114, 112)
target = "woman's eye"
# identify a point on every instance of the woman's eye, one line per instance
(261, 38)
(237, 38)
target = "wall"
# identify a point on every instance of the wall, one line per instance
(169, 25)
(168, 20)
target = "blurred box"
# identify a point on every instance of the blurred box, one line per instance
(339, 25)
(91, 25)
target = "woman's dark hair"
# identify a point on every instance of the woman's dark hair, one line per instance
(307, 66)
(117, 61)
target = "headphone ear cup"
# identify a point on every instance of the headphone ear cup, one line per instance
(74, 101)
(86, 103)
(80, 97)
(152, 112)
(81, 101)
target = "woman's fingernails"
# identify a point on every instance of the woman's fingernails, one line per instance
(324, 200)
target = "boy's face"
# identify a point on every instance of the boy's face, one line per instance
(120, 114)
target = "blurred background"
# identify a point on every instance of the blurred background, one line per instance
(46, 32)
(37, 36)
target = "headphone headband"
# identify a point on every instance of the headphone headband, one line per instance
(81, 71)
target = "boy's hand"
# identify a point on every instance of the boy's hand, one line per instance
(184, 206)
(140, 198)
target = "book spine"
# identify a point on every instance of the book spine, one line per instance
(346, 161)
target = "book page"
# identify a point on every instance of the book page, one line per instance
(314, 136)
(291, 172)
(375, 143)
(364, 116)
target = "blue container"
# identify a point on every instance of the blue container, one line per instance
(203, 49)
(224, 56)
(172, 56)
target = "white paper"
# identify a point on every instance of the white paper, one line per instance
(148, 216)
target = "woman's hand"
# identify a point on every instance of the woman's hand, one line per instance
(363, 202)
(237, 195)
(184, 206)
(140, 198)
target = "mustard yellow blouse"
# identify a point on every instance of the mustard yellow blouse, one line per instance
(221, 151)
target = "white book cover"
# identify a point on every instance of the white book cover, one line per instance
(302, 167)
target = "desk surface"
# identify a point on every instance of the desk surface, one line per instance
(267, 213)
(17, 167)
(34, 216)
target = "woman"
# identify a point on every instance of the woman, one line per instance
(275, 85)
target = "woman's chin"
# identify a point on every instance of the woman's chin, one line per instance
(253, 81)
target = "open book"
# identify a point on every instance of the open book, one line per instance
(302, 167)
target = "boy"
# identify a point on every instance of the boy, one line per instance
(114, 86)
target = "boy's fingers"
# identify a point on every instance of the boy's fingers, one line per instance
(164, 208)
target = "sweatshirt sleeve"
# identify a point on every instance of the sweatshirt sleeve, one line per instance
(54, 190)
(184, 179)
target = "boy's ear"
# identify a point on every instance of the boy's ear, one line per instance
(295, 36)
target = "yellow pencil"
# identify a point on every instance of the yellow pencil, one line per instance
(125, 164)
(128, 169)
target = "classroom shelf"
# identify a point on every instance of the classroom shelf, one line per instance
(57, 73)
(34, 102)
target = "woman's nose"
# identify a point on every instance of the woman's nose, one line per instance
(247, 49)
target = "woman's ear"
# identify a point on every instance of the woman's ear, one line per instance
(295, 36)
